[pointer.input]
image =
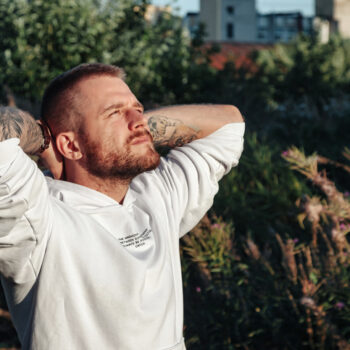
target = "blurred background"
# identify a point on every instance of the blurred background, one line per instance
(269, 266)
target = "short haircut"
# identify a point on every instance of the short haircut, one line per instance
(60, 103)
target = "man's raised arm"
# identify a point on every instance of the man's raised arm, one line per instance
(17, 123)
(25, 212)
(178, 125)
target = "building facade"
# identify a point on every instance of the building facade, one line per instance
(154, 12)
(191, 22)
(237, 21)
(282, 27)
(229, 20)
(333, 16)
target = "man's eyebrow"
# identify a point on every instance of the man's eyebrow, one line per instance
(120, 105)
(112, 106)
(138, 104)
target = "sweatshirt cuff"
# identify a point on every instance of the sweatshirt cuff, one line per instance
(8, 151)
(237, 128)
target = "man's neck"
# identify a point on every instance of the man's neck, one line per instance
(112, 187)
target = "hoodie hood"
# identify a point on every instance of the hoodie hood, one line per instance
(83, 198)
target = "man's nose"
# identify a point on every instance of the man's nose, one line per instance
(136, 119)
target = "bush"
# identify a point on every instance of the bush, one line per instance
(260, 196)
(290, 293)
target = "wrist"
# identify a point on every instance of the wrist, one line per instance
(46, 138)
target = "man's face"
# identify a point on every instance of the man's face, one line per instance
(114, 135)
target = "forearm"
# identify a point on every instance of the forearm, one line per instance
(178, 125)
(17, 123)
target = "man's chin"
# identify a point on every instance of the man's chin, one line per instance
(153, 160)
(134, 162)
(148, 154)
(144, 161)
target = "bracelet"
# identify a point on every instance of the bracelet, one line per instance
(47, 138)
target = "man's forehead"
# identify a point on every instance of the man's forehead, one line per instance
(103, 91)
(103, 84)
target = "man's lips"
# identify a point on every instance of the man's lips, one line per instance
(141, 138)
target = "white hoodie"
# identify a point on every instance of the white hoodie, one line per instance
(81, 271)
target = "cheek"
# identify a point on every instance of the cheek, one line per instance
(116, 131)
(111, 141)
(108, 136)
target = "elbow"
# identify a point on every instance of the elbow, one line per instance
(233, 114)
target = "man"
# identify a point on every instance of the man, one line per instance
(90, 260)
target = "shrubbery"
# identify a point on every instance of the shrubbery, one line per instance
(290, 290)
(281, 278)
(43, 38)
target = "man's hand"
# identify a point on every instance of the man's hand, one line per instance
(17, 123)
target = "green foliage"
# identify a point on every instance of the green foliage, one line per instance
(304, 69)
(290, 88)
(261, 194)
(291, 293)
(45, 38)
(155, 58)
(50, 37)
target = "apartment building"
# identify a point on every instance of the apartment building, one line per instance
(333, 16)
(229, 20)
(282, 27)
(238, 21)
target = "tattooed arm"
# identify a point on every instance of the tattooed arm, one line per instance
(17, 123)
(178, 125)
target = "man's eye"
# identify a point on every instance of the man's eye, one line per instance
(116, 112)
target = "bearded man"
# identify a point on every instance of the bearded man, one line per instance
(90, 259)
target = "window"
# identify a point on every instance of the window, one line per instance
(230, 10)
(279, 21)
(291, 21)
(263, 21)
(229, 31)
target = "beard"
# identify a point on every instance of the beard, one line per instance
(105, 162)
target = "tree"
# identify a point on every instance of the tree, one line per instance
(304, 69)
(47, 37)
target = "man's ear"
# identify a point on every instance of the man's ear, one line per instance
(68, 145)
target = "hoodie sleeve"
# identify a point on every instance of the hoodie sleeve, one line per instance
(25, 214)
(191, 173)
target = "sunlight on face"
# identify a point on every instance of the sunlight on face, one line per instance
(103, 160)
(115, 138)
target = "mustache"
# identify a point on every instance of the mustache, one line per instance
(139, 133)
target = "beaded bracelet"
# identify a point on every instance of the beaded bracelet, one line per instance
(47, 138)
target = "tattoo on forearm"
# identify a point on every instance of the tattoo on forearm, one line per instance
(17, 123)
(170, 132)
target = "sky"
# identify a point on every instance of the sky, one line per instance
(305, 6)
